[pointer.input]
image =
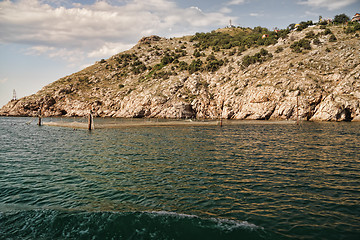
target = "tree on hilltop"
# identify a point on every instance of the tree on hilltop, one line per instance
(341, 18)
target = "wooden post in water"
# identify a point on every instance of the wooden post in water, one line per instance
(221, 111)
(90, 122)
(297, 110)
(39, 115)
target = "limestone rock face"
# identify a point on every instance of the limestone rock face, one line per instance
(332, 109)
(321, 84)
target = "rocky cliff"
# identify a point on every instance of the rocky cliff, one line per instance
(313, 74)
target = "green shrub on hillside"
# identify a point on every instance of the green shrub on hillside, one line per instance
(167, 59)
(197, 53)
(259, 57)
(264, 52)
(304, 25)
(298, 46)
(352, 27)
(245, 38)
(154, 69)
(139, 68)
(327, 31)
(211, 57)
(316, 41)
(127, 59)
(195, 66)
(332, 38)
(181, 52)
(310, 35)
(279, 49)
(214, 65)
(183, 66)
(136, 63)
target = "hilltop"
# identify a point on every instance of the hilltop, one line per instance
(235, 73)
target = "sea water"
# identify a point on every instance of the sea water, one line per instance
(242, 181)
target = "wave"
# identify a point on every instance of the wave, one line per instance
(60, 224)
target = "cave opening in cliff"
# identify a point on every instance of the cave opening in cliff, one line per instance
(345, 115)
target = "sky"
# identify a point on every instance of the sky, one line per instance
(44, 40)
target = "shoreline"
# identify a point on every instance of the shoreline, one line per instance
(112, 123)
(126, 123)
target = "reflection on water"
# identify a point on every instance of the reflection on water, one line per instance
(295, 181)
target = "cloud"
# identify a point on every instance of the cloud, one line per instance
(256, 14)
(108, 49)
(61, 29)
(225, 10)
(236, 2)
(71, 55)
(38, 50)
(329, 4)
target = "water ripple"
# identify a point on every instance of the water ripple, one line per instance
(291, 181)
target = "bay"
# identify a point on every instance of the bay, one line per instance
(258, 180)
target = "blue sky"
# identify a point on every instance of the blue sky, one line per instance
(43, 40)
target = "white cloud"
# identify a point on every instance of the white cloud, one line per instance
(329, 4)
(77, 31)
(70, 55)
(236, 2)
(108, 49)
(196, 9)
(256, 14)
(225, 10)
(38, 50)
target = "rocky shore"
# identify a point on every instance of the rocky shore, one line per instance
(318, 84)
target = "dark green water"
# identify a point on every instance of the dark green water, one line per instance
(247, 181)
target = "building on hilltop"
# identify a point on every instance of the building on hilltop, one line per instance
(356, 18)
(296, 26)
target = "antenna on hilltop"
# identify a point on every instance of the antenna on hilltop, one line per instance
(230, 24)
(14, 95)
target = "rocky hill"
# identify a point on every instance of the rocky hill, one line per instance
(235, 73)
